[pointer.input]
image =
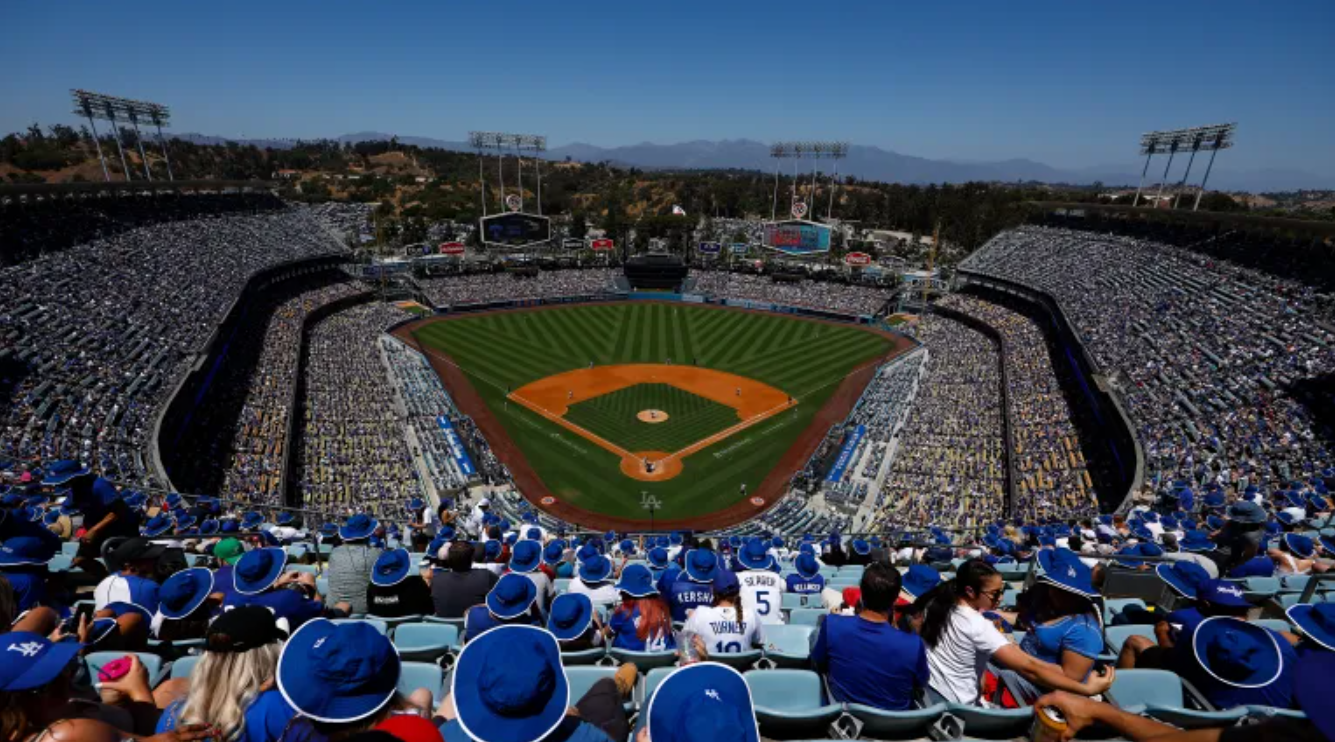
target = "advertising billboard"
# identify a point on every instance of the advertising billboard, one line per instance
(857, 258)
(603, 244)
(572, 243)
(515, 230)
(710, 248)
(738, 248)
(451, 248)
(797, 237)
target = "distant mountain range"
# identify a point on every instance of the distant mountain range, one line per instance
(865, 162)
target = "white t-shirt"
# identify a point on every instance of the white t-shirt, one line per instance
(960, 656)
(762, 594)
(604, 593)
(721, 632)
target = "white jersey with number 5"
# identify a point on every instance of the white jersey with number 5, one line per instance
(721, 632)
(762, 593)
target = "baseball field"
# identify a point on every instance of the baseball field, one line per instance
(607, 405)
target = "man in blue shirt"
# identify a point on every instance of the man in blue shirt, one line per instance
(258, 579)
(695, 585)
(864, 657)
(808, 579)
(105, 514)
(1234, 663)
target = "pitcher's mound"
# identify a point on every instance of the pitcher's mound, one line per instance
(652, 416)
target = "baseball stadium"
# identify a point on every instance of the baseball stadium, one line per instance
(399, 439)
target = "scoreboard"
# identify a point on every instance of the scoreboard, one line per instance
(797, 237)
(515, 230)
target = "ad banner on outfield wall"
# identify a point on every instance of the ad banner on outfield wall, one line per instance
(457, 450)
(846, 454)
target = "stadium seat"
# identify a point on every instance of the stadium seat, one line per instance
(909, 724)
(739, 661)
(182, 667)
(69, 548)
(650, 684)
(151, 662)
(1274, 624)
(561, 585)
(309, 569)
(425, 642)
(992, 723)
(457, 623)
(60, 563)
(806, 616)
(1258, 589)
(322, 585)
(380, 626)
(1114, 606)
(582, 678)
(1293, 583)
(788, 645)
(644, 660)
(394, 621)
(1116, 636)
(790, 703)
(414, 675)
(583, 657)
(789, 601)
(1159, 695)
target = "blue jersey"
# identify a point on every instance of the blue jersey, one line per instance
(684, 595)
(804, 586)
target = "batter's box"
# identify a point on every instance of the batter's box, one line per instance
(652, 415)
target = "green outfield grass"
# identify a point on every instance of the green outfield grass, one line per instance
(504, 351)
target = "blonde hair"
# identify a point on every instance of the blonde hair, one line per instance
(223, 685)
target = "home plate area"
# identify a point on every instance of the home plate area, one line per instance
(652, 415)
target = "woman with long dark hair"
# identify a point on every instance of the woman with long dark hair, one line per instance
(961, 641)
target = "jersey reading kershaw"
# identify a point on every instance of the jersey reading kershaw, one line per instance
(762, 595)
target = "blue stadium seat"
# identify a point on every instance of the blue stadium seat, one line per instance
(584, 657)
(322, 585)
(806, 616)
(457, 623)
(650, 684)
(425, 642)
(1158, 694)
(909, 724)
(790, 703)
(739, 661)
(788, 645)
(69, 548)
(583, 677)
(1114, 606)
(60, 563)
(1116, 636)
(561, 585)
(414, 675)
(1260, 588)
(992, 723)
(1274, 624)
(151, 662)
(644, 660)
(182, 667)
(393, 621)
(789, 601)
(380, 626)
(1293, 583)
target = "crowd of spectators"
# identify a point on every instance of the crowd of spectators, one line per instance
(826, 295)
(343, 218)
(97, 335)
(485, 287)
(1209, 356)
(352, 449)
(881, 411)
(1051, 477)
(425, 399)
(950, 465)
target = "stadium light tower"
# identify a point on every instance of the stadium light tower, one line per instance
(1213, 138)
(111, 108)
(814, 151)
(503, 143)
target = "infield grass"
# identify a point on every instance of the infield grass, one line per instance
(503, 351)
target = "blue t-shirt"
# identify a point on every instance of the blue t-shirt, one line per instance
(1258, 566)
(869, 662)
(624, 627)
(664, 578)
(478, 620)
(571, 730)
(284, 603)
(29, 583)
(804, 586)
(265, 718)
(223, 581)
(1278, 694)
(1079, 633)
(684, 595)
(143, 596)
(102, 498)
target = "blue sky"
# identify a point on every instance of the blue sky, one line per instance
(1072, 84)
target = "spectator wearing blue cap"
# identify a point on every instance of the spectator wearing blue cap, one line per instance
(1296, 554)
(761, 586)
(184, 606)
(1064, 616)
(23, 563)
(259, 579)
(695, 585)
(1234, 663)
(724, 626)
(642, 622)
(864, 658)
(702, 702)
(396, 589)
(1242, 536)
(574, 623)
(595, 578)
(1315, 624)
(105, 514)
(509, 686)
(512, 601)
(351, 562)
(1205, 598)
(461, 584)
(526, 559)
(807, 579)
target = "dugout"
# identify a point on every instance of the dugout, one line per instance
(663, 272)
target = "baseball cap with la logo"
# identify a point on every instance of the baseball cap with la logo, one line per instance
(29, 660)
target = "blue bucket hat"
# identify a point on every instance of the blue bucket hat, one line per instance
(735, 541)
(391, 568)
(703, 701)
(51, 517)
(258, 569)
(1063, 569)
(533, 533)
(185, 522)
(526, 556)
(552, 552)
(173, 500)
(512, 538)
(1246, 512)
(1317, 622)
(338, 673)
(1223, 593)
(357, 527)
(1196, 541)
(570, 616)
(491, 549)
(157, 525)
(807, 566)
(658, 557)
(755, 555)
(861, 547)
(587, 551)
(508, 685)
(32, 661)
(184, 592)
(1237, 653)
(285, 518)
(1126, 557)
(251, 520)
(230, 526)
(701, 565)
(919, 580)
(26, 550)
(64, 471)
(595, 570)
(1302, 546)
(636, 581)
(208, 527)
(627, 547)
(1216, 499)
(511, 596)
(1185, 578)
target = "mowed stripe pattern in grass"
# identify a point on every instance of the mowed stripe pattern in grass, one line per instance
(690, 418)
(504, 351)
